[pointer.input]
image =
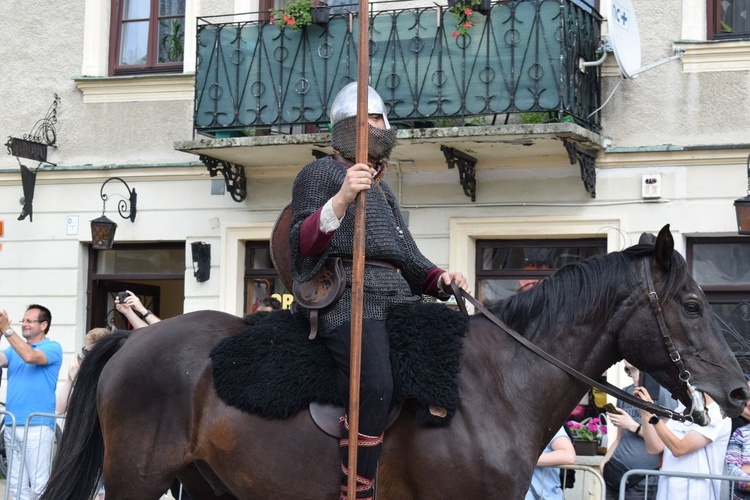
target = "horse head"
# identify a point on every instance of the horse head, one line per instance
(683, 348)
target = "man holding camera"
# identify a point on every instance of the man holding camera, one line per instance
(33, 363)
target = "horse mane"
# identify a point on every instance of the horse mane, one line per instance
(585, 292)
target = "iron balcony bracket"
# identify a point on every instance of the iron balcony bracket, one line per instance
(586, 158)
(466, 169)
(234, 176)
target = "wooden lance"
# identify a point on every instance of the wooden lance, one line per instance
(358, 256)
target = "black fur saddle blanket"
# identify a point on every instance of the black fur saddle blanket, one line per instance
(272, 369)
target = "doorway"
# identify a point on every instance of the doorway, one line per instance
(154, 272)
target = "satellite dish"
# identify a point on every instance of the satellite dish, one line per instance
(624, 37)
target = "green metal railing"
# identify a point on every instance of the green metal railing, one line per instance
(523, 57)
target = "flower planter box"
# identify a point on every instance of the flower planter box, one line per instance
(321, 15)
(585, 448)
(483, 7)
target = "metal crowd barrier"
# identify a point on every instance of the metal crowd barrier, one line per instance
(11, 446)
(588, 483)
(730, 480)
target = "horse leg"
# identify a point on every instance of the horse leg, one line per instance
(140, 458)
(124, 481)
(197, 486)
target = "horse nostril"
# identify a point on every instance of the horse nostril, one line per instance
(740, 393)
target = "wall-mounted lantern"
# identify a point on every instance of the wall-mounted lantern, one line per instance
(201, 260)
(102, 228)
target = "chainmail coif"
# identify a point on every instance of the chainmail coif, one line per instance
(386, 239)
(380, 142)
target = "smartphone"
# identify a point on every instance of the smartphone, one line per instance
(122, 296)
(610, 408)
(650, 384)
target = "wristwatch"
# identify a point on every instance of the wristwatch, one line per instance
(653, 420)
(9, 332)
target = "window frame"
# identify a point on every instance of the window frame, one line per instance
(152, 65)
(722, 293)
(267, 274)
(713, 28)
(526, 274)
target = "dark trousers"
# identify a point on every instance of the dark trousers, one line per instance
(376, 385)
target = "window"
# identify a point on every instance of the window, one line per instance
(147, 36)
(722, 268)
(261, 279)
(728, 19)
(505, 267)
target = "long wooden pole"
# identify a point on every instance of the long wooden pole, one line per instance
(358, 257)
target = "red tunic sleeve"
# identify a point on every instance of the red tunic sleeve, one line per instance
(430, 283)
(313, 241)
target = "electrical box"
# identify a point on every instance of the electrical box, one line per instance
(651, 186)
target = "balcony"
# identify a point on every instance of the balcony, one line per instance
(520, 63)
(521, 58)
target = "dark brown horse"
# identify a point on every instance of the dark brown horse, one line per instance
(156, 414)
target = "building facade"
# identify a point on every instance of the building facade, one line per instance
(668, 147)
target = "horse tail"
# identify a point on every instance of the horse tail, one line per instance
(77, 467)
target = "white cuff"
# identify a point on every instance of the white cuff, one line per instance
(328, 220)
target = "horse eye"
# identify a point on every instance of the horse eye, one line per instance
(693, 308)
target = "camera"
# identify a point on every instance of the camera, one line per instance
(122, 296)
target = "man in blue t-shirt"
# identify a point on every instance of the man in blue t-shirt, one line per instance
(33, 363)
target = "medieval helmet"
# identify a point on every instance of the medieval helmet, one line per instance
(345, 104)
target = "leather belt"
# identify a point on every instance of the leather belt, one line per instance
(375, 263)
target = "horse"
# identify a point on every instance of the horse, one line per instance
(144, 410)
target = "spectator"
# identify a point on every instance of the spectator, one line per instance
(744, 418)
(687, 448)
(738, 456)
(130, 308)
(132, 305)
(628, 451)
(269, 304)
(64, 393)
(545, 483)
(33, 367)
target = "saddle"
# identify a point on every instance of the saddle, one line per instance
(273, 370)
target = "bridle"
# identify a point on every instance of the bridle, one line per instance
(610, 389)
(674, 355)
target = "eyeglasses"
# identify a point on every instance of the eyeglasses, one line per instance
(31, 321)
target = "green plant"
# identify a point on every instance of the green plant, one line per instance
(588, 430)
(464, 12)
(172, 42)
(295, 14)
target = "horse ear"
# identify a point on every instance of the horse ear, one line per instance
(647, 239)
(664, 248)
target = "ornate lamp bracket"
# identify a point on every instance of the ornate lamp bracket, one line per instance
(466, 169)
(586, 158)
(234, 176)
(34, 145)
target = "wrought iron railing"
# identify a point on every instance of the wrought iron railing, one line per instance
(524, 57)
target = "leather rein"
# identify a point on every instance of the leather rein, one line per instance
(610, 389)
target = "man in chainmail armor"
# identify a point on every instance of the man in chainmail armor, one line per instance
(396, 272)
